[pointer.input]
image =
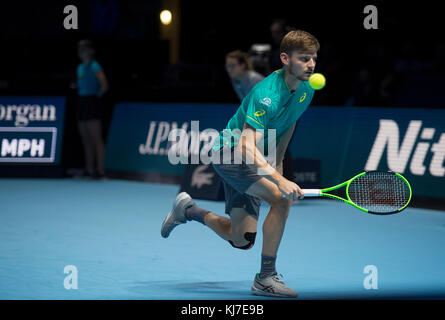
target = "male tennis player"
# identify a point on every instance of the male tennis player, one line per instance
(275, 103)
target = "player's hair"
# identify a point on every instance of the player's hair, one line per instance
(241, 57)
(86, 43)
(299, 40)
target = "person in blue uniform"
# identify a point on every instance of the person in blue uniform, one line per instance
(91, 86)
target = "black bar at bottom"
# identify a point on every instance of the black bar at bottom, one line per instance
(223, 309)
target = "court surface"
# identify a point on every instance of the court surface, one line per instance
(110, 231)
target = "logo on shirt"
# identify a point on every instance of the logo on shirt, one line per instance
(266, 101)
(259, 113)
(303, 97)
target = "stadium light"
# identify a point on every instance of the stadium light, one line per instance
(166, 17)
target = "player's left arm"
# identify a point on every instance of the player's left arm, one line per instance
(281, 148)
(101, 77)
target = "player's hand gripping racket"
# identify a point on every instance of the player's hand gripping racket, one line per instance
(377, 192)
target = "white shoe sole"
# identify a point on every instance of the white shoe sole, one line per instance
(258, 292)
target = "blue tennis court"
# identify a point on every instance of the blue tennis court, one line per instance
(110, 231)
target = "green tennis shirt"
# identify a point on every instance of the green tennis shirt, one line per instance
(269, 105)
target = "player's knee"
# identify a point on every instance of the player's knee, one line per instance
(250, 237)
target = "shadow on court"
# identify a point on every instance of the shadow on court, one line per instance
(211, 290)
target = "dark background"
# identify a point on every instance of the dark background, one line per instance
(399, 65)
(38, 55)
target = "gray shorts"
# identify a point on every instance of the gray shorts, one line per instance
(237, 178)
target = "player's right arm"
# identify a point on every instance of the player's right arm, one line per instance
(261, 104)
(253, 158)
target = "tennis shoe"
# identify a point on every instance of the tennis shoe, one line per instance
(177, 215)
(272, 286)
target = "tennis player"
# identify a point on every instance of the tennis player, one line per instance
(275, 103)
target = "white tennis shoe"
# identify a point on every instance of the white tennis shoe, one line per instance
(177, 215)
(272, 286)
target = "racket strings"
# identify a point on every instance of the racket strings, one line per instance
(380, 192)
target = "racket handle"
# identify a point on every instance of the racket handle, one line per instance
(311, 192)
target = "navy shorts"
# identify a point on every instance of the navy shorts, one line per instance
(237, 178)
(88, 108)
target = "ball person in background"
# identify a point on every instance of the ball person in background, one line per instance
(275, 103)
(241, 73)
(91, 86)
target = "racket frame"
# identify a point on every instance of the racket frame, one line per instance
(348, 200)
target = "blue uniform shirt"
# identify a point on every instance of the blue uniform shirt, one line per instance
(87, 82)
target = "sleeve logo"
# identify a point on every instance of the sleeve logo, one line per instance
(266, 101)
(259, 113)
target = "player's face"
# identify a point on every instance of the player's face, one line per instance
(234, 68)
(85, 54)
(301, 65)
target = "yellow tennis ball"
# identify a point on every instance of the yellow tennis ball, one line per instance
(317, 81)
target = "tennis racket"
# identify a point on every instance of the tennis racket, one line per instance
(376, 192)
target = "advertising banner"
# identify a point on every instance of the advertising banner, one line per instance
(349, 140)
(138, 136)
(330, 144)
(31, 129)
